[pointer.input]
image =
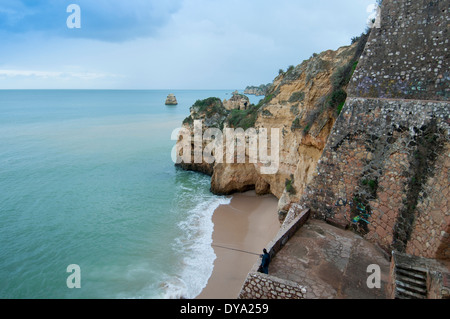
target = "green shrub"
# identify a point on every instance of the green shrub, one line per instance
(244, 119)
(267, 113)
(290, 186)
(355, 39)
(210, 106)
(311, 118)
(204, 104)
(340, 107)
(337, 98)
(307, 128)
(355, 64)
(297, 97)
(295, 110)
(265, 100)
(342, 76)
(371, 186)
(188, 120)
(295, 124)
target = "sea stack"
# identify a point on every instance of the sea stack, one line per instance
(171, 100)
(237, 102)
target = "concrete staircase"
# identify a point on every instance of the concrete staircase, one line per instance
(410, 282)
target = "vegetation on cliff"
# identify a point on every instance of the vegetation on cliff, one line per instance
(213, 111)
(237, 118)
(335, 99)
(303, 102)
(243, 118)
(257, 90)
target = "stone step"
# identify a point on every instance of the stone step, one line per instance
(415, 269)
(408, 294)
(412, 281)
(419, 275)
(400, 296)
(412, 288)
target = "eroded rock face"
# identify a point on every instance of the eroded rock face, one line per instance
(295, 100)
(211, 114)
(385, 169)
(295, 105)
(232, 178)
(257, 90)
(237, 102)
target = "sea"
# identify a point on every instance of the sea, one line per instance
(87, 179)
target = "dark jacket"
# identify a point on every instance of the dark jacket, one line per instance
(265, 263)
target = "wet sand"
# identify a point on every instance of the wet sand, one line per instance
(241, 230)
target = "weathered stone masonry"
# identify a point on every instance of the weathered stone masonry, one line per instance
(261, 286)
(408, 56)
(370, 160)
(385, 169)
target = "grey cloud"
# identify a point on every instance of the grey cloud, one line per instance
(108, 20)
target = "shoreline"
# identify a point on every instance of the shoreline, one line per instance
(241, 230)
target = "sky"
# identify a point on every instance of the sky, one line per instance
(170, 44)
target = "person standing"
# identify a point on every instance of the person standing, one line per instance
(265, 261)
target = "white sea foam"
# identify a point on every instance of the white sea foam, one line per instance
(195, 244)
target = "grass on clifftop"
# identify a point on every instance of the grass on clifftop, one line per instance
(244, 119)
(209, 106)
(212, 106)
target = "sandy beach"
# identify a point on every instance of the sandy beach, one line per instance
(241, 230)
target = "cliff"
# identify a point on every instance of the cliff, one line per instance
(365, 143)
(385, 169)
(237, 102)
(303, 103)
(257, 90)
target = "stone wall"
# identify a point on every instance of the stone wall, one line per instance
(385, 169)
(261, 286)
(408, 56)
(434, 214)
(385, 172)
(295, 220)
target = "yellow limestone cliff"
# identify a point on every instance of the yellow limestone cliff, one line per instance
(297, 103)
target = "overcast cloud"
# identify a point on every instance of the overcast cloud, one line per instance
(179, 44)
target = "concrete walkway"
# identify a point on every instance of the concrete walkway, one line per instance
(330, 262)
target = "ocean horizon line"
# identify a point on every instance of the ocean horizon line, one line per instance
(119, 89)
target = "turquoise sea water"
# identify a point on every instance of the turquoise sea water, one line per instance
(86, 178)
